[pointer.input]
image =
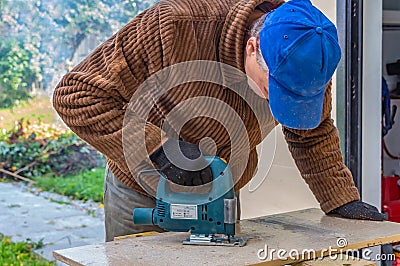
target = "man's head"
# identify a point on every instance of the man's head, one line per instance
(254, 63)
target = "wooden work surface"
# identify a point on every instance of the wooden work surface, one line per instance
(299, 230)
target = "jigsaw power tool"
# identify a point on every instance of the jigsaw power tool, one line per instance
(210, 217)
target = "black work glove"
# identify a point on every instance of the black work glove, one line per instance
(184, 165)
(359, 210)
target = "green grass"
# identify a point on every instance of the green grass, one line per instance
(88, 185)
(20, 253)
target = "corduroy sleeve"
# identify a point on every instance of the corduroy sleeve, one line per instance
(93, 98)
(318, 157)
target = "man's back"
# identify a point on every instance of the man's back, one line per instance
(168, 33)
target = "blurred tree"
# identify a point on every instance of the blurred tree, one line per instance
(19, 54)
(18, 71)
(47, 34)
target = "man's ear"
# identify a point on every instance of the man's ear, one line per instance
(251, 46)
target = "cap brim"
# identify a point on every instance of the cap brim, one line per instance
(292, 110)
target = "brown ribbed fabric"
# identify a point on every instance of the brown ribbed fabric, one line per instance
(319, 159)
(93, 98)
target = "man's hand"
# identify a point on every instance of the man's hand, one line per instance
(183, 164)
(359, 210)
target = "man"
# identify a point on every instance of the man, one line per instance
(106, 97)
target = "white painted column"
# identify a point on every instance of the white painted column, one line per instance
(371, 105)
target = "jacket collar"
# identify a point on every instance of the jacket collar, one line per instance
(231, 45)
(232, 38)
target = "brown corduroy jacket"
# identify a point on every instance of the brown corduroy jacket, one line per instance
(94, 97)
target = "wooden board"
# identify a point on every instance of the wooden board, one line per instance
(309, 232)
(345, 261)
(340, 261)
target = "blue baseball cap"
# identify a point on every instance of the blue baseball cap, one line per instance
(300, 46)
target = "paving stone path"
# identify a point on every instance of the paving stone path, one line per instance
(29, 214)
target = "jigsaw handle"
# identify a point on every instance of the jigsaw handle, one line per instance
(222, 183)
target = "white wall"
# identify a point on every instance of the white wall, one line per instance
(278, 187)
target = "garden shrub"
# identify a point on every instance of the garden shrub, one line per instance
(40, 149)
